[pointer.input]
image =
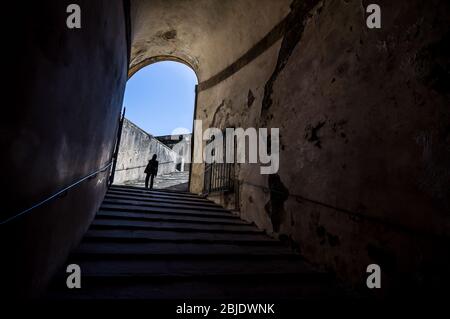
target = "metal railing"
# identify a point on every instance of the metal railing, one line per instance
(110, 165)
(219, 177)
(116, 147)
(57, 194)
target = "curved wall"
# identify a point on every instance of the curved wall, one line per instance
(65, 94)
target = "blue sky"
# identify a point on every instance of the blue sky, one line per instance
(160, 98)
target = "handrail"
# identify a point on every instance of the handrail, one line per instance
(116, 147)
(55, 195)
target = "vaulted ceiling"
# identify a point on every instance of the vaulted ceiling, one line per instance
(208, 35)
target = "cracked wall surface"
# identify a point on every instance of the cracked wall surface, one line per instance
(364, 127)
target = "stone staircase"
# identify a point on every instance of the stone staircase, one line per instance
(176, 245)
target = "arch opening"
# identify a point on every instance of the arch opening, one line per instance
(134, 68)
(159, 102)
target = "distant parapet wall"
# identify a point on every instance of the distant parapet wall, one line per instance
(171, 140)
(181, 144)
(136, 149)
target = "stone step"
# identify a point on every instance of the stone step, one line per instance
(171, 211)
(269, 286)
(145, 199)
(170, 225)
(161, 197)
(172, 236)
(170, 268)
(142, 188)
(161, 250)
(153, 204)
(169, 245)
(102, 214)
(168, 210)
(144, 191)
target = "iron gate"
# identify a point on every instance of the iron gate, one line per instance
(218, 177)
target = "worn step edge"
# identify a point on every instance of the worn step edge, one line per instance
(154, 191)
(159, 210)
(167, 200)
(79, 257)
(171, 223)
(111, 216)
(162, 204)
(168, 249)
(162, 190)
(226, 215)
(161, 197)
(137, 233)
(175, 228)
(115, 239)
(245, 276)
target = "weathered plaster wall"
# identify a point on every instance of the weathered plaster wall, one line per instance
(208, 35)
(136, 149)
(227, 104)
(65, 90)
(364, 122)
(369, 111)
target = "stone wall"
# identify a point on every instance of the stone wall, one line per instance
(136, 149)
(364, 121)
(65, 89)
(181, 144)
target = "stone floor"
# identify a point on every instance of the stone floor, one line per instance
(173, 181)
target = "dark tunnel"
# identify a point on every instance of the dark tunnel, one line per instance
(362, 136)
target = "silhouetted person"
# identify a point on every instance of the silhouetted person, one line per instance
(151, 170)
